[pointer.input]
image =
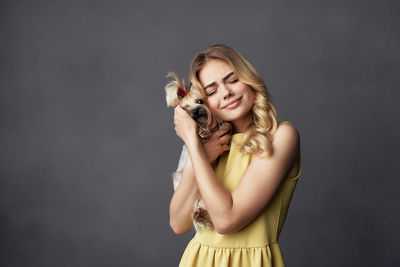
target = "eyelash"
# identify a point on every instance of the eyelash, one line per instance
(233, 81)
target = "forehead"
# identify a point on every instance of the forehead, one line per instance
(213, 71)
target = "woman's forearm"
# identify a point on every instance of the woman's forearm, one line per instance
(218, 200)
(181, 205)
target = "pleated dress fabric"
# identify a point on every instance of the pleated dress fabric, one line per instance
(257, 243)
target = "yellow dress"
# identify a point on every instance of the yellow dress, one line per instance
(257, 243)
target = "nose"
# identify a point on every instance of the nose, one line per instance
(226, 92)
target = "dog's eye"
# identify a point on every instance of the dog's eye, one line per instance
(200, 101)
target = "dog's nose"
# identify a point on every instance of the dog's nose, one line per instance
(197, 113)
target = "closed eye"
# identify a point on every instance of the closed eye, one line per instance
(211, 92)
(233, 81)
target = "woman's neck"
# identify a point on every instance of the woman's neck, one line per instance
(240, 125)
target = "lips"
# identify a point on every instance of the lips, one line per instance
(232, 103)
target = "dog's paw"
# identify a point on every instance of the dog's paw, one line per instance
(201, 219)
(200, 215)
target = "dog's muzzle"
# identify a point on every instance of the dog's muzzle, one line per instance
(199, 114)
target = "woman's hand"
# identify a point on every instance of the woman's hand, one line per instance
(217, 144)
(185, 127)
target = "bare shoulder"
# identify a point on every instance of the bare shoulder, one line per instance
(285, 145)
(286, 141)
(286, 133)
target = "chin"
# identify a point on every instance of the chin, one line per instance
(230, 117)
(233, 115)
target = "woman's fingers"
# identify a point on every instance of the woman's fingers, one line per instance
(178, 108)
(221, 132)
(176, 131)
(180, 111)
(223, 136)
(225, 147)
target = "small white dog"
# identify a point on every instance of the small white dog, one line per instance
(193, 101)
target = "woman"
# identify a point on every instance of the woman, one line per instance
(248, 190)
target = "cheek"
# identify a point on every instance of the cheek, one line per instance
(213, 105)
(244, 88)
(251, 97)
(250, 93)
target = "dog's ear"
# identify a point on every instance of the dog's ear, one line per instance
(175, 91)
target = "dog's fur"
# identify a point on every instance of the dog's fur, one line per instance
(193, 101)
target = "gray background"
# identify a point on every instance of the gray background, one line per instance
(87, 141)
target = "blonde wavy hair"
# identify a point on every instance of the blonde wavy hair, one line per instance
(258, 136)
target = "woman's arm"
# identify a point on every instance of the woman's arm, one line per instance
(181, 205)
(232, 211)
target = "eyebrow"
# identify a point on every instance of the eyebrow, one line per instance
(224, 79)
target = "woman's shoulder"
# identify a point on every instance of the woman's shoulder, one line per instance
(286, 140)
(286, 130)
(285, 153)
(287, 144)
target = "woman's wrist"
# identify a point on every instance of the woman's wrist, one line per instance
(193, 142)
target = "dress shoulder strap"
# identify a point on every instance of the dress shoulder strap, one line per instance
(285, 122)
